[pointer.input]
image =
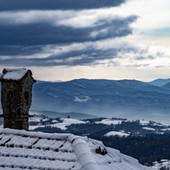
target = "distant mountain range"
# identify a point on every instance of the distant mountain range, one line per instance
(160, 82)
(113, 98)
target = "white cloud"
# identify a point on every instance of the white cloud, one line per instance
(75, 19)
(32, 16)
(153, 14)
(152, 54)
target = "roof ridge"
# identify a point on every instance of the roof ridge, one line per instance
(83, 153)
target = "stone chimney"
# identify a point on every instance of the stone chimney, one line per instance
(16, 97)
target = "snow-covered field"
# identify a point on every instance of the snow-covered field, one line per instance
(67, 122)
(164, 163)
(147, 128)
(111, 127)
(117, 133)
(110, 121)
(64, 122)
(144, 122)
(144, 126)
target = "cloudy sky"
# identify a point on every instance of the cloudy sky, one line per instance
(68, 39)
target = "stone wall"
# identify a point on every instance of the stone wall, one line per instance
(16, 99)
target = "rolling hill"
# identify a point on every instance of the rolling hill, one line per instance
(109, 98)
(160, 82)
(126, 98)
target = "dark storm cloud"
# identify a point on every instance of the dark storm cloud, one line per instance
(6, 5)
(87, 56)
(19, 40)
(25, 35)
(35, 34)
(19, 51)
(83, 57)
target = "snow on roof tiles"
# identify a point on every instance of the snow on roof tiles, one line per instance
(21, 149)
(14, 74)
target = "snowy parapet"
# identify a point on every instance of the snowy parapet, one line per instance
(14, 74)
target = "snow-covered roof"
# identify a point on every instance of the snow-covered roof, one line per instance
(14, 74)
(21, 149)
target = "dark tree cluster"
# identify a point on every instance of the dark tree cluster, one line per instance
(146, 149)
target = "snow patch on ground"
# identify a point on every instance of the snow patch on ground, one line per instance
(166, 129)
(54, 121)
(144, 122)
(157, 124)
(67, 122)
(148, 128)
(81, 99)
(116, 133)
(33, 113)
(45, 119)
(33, 127)
(35, 119)
(164, 163)
(109, 122)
